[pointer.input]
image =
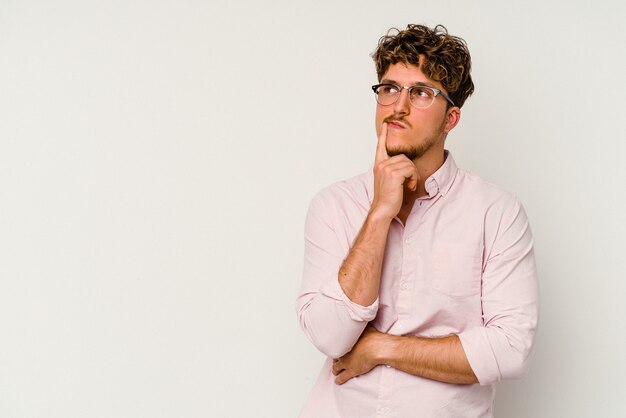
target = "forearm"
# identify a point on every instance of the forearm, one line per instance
(359, 275)
(330, 319)
(441, 359)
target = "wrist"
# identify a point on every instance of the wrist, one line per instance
(379, 216)
(388, 348)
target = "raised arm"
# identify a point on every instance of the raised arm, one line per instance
(339, 295)
(359, 276)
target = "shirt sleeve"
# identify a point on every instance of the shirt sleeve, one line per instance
(503, 346)
(328, 317)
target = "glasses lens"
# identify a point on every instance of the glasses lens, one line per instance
(422, 96)
(387, 94)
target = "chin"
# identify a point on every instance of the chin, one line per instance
(410, 152)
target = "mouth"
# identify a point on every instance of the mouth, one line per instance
(396, 124)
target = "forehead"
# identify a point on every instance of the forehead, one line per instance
(407, 75)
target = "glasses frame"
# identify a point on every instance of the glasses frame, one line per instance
(436, 92)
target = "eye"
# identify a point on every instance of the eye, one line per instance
(387, 89)
(422, 93)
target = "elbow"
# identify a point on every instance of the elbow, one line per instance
(517, 369)
(507, 366)
(331, 326)
(332, 344)
(497, 355)
(332, 349)
(517, 364)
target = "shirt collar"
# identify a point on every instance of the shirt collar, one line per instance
(438, 183)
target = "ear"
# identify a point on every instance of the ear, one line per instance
(452, 119)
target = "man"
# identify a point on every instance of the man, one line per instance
(419, 278)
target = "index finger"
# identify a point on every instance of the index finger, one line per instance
(381, 147)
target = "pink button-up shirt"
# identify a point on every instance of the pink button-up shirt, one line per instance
(463, 264)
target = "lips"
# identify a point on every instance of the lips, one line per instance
(396, 124)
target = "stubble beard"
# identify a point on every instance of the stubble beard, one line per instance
(415, 152)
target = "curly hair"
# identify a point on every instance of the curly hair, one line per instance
(446, 58)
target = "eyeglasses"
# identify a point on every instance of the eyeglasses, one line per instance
(419, 96)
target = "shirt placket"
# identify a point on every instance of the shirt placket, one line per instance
(403, 303)
(385, 392)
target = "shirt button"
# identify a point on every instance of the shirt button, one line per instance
(383, 410)
(408, 241)
(404, 285)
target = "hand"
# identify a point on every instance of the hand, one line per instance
(361, 359)
(390, 175)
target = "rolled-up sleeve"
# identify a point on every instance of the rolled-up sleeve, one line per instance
(502, 347)
(328, 317)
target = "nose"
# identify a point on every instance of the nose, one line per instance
(403, 104)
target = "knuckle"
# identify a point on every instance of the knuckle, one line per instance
(381, 168)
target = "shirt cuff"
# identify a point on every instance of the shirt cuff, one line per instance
(479, 353)
(357, 312)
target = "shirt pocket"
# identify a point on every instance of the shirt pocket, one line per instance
(457, 269)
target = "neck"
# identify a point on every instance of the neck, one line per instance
(425, 168)
(426, 165)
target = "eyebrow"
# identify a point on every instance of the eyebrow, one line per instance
(417, 83)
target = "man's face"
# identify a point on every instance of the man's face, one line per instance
(412, 131)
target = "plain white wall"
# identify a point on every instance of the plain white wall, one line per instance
(157, 159)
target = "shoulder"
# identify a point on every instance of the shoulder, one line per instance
(476, 185)
(352, 192)
(477, 192)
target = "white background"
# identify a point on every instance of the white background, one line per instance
(156, 163)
